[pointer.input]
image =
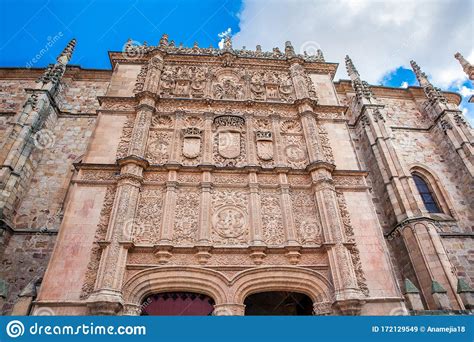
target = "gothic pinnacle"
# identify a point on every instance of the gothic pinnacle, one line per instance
(289, 50)
(466, 66)
(164, 40)
(361, 88)
(66, 54)
(351, 69)
(420, 75)
(433, 94)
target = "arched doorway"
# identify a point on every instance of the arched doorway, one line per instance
(278, 303)
(177, 304)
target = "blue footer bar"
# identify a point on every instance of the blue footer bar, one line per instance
(176, 329)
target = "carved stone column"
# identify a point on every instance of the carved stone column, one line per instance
(229, 310)
(207, 139)
(107, 296)
(169, 205)
(204, 234)
(279, 160)
(348, 296)
(256, 233)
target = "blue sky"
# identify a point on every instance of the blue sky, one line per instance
(381, 37)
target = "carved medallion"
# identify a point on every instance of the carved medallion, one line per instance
(264, 145)
(229, 221)
(191, 142)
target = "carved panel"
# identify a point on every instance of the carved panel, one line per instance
(162, 121)
(295, 151)
(146, 226)
(228, 178)
(186, 222)
(273, 229)
(307, 221)
(124, 143)
(229, 216)
(158, 147)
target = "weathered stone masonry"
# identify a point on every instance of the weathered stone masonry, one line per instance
(230, 172)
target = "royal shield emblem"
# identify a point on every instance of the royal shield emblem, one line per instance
(229, 144)
(191, 142)
(264, 145)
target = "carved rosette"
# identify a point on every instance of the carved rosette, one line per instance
(229, 217)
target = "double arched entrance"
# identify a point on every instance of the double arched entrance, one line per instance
(273, 303)
(272, 290)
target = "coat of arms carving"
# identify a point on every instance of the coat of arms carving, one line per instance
(264, 145)
(229, 135)
(191, 142)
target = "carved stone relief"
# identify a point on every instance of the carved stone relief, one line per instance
(158, 147)
(186, 223)
(354, 250)
(307, 221)
(100, 233)
(272, 221)
(146, 226)
(229, 141)
(124, 143)
(295, 151)
(229, 217)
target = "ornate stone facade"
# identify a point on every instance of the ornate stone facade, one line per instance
(231, 172)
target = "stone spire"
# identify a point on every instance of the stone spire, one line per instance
(361, 88)
(433, 94)
(53, 74)
(466, 66)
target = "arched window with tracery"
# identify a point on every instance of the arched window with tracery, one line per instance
(426, 194)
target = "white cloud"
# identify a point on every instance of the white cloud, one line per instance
(222, 36)
(404, 85)
(378, 35)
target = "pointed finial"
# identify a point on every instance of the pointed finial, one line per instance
(466, 66)
(433, 94)
(420, 75)
(65, 56)
(258, 48)
(227, 42)
(289, 50)
(319, 55)
(351, 69)
(195, 45)
(164, 40)
(362, 88)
